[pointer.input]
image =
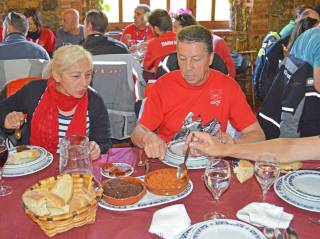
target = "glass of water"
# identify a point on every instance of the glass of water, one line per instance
(266, 170)
(217, 179)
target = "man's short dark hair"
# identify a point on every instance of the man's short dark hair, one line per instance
(196, 33)
(160, 18)
(18, 21)
(143, 6)
(185, 19)
(98, 19)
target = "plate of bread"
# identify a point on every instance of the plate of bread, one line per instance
(24, 156)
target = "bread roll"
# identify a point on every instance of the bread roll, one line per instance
(58, 211)
(291, 166)
(64, 188)
(35, 200)
(244, 170)
(54, 201)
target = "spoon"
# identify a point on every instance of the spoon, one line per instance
(268, 232)
(183, 167)
(17, 132)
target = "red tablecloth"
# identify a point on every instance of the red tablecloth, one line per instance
(135, 224)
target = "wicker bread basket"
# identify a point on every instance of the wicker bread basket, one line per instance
(52, 225)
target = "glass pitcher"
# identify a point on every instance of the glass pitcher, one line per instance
(75, 155)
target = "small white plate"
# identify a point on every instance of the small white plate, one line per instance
(122, 166)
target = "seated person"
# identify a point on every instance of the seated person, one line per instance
(285, 149)
(14, 44)
(38, 34)
(139, 30)
(96, 24)
(163, 44)
(220, 47)
(70, 32)
(194, 89)
(60, 106)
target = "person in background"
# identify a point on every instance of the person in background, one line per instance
(139, 30)
(285, 149)
(38, 34)
(96, 24)
(220, 47)
(70, 32)
(287, 29)
(196, 89)
(307, 48)
(163, 44)
(14, 44)
(61, 106)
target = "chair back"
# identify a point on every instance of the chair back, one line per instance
(20, 68)
(116, 87)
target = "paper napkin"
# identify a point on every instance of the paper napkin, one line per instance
(265, 214)
(170, 221)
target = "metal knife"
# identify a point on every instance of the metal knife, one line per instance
(291, 233)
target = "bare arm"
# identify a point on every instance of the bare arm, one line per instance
(286, 150)
(153, 145)
(252, 133)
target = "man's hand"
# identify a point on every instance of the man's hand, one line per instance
(154, 146)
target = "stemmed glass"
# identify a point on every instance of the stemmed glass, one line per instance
(266, 170)
(4, 189)
(217, 179)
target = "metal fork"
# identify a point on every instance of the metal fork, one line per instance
(314, 220)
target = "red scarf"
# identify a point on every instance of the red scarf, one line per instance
(44, 123)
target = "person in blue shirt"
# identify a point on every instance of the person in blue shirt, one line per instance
(15, 45)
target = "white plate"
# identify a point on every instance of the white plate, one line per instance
(303, 183)
(190, 165)
(294, 200)
(225, 229)
(16, 172)
(29, 162)
(148, 200)
(175, 150)
(122, 166)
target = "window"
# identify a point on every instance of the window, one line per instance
(210, 13)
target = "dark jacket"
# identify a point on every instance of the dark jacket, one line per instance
(16, 46)
(26, 100)
(98, 44)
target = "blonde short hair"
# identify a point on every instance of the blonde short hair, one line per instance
(64, 57)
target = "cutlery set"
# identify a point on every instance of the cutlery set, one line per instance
(276, 233)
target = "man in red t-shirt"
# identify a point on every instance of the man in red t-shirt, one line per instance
(139, 30)
(196, 89)
(163, 44)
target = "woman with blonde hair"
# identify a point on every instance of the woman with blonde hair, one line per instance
(60, 106)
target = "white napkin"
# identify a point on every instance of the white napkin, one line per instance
(265, 214)
(170, 221)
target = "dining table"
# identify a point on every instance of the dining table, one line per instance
(14, 223)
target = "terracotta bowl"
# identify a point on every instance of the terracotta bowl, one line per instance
(126, 200)
(165, 182)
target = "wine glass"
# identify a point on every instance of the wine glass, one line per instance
(217, 179)
(4, 189)
(266, 170)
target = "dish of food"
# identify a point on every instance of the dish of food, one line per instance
(165, 182)
(25, 155)
(113, 170)
(123, 190)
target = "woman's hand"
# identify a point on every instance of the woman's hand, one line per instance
(95, 151)
(13, 120)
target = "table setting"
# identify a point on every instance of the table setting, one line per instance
(288, 205)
